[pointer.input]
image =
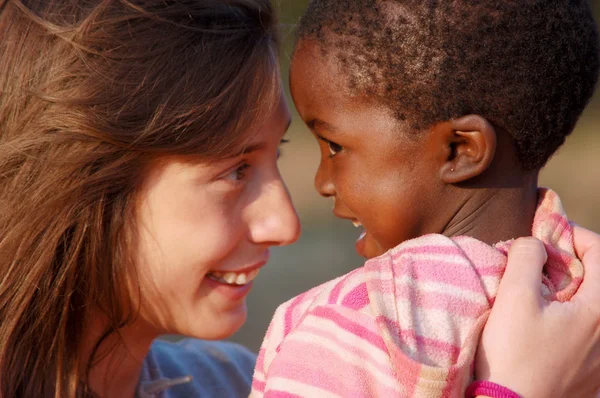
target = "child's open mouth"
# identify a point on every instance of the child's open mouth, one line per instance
(360, 242)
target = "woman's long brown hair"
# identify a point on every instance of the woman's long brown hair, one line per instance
(91, 92)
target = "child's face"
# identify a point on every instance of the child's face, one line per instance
(377, 172)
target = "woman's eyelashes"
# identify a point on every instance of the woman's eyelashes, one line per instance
(238, 174)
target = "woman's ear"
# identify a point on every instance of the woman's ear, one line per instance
(471, 146)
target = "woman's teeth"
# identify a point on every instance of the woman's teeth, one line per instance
(357, 224)
(234, 278)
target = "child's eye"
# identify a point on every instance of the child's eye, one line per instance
(334, 148)
(239, 173)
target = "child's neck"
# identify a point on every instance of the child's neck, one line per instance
(496, 214)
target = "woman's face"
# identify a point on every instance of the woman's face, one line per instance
(205, 232)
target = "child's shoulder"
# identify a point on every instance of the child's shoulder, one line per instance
(436, 248)
(348, 290)
(330, 292)
(350, 295)
(351, 290)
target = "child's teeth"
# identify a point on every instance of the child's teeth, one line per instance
(217, 274)
(356, 223)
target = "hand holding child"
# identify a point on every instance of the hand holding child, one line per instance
(539, 348)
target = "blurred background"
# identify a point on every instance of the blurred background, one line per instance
(326, 247)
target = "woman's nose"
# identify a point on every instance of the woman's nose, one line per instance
(275, 222)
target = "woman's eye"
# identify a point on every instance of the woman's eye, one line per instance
(239, 173)
(334, 148)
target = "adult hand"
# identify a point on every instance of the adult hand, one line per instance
(539, 348)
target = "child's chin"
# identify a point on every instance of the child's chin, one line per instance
(368, 248)
(361, 245)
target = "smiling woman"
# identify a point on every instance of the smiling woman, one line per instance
(200, 248)
(138, 177)
(140, 195)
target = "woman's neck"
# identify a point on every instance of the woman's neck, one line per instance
(118, 361)
(495, 214)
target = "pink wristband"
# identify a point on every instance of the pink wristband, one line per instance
(489, 389)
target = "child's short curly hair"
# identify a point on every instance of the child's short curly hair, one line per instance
(528, 66)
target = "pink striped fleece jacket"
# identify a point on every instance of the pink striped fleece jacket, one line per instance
(407, 323)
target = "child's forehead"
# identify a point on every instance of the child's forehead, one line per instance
(325, 101)
(324, 70)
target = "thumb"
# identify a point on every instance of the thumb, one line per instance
(526, 259)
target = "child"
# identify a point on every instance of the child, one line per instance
(434, 119)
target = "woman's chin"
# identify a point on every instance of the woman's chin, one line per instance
(222, 325)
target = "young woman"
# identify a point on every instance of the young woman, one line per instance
(139, 188)
(139, 192)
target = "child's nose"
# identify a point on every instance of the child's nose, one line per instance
(275, 221)
(323, 183)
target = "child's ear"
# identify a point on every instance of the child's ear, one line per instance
(470, 145)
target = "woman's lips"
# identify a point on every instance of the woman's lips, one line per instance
(230, 292)
(234, 285)
(234, 278)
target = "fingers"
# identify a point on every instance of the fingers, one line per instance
(523, 274)
(587, 246)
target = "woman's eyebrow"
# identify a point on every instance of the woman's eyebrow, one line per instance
(252, 148)
(261, 145)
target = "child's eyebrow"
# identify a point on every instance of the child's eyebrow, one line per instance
(314, 124)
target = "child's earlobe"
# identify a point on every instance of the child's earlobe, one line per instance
(470, 146)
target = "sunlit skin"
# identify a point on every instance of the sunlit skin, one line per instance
(194, 218)
(456, 178)
(223, 217)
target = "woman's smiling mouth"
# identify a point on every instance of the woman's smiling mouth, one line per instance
(234, 278)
